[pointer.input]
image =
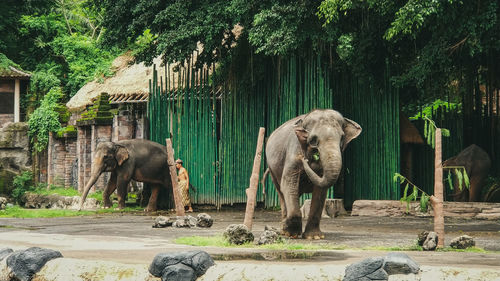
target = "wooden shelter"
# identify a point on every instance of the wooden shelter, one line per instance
(13, 84)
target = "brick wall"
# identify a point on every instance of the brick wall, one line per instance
(63, 161)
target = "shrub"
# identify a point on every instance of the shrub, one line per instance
(22, 183)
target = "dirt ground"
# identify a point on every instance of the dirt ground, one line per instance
(131, 238)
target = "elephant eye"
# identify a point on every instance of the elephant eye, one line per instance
(313, 141)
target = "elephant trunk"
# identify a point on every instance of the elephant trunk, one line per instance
(331, 162)
(93, 178)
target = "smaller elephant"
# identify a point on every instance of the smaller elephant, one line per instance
(477, 164)
(136, 159)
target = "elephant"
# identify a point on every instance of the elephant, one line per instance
(304, 155)
(137, 159)
(477, 164)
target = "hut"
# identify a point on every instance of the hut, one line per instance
(409, 138)
(13, 85)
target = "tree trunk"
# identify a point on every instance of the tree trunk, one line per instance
(251, 191)
(437, 198)
(179, 206)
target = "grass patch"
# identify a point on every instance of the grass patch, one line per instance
(219, 241)
(18, 212)
(468, 250)
(62, 191)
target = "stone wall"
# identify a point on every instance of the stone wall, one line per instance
(6, 118)
(15, 156)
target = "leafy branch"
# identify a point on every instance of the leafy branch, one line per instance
(461, 174)
(424, 197)
(430, 131)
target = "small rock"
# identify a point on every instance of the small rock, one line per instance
(24, 264)
(3, 203)
(268, 237)
(178, 272)
(272, 228)
(462, 242)
(238, 234)
(204, 220)
(431, 241)
(422, 236)
(186, 221)
(162, 221)
(5, 252)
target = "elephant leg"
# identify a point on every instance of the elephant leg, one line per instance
(280, 196)
(152, 204)
(475, 189)
(121, 185)
(110, 188)
(292, 225)
(312, 230)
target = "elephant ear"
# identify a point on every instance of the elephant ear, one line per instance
(351, 131)
(121, 154)
(302, 134)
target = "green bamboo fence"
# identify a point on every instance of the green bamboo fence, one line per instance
(216, 137)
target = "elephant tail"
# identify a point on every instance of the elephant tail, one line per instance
(263, 180)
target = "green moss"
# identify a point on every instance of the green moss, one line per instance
(5, 64)
(63, 112)
(98, 113)
(67, 132)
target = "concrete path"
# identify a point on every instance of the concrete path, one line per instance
(130, 239)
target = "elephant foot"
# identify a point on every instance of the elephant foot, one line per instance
(313, 234)
(292, 227)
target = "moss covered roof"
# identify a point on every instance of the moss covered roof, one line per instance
(9, 69)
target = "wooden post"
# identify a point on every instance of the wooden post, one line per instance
(49, 160)
(179, 206)
(437, 198)
(251, 191)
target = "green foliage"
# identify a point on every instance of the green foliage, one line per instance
(18, 212)
(460, 174)
(413, 196)
(22, 184)
(430, 131)
(69, 131)
(45, 119)
(429, 108)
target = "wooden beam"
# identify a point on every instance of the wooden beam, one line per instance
(251, 191)
(179, 206)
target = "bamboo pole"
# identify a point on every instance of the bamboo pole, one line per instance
(179, 207)
(251, 191)
(437, 198)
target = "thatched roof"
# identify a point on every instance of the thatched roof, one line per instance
(131, 81)
(9, 69)
(408, 132)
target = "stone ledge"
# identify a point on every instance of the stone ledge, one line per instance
(394, 208)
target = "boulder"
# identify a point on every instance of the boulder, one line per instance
(185, 221)
(54, 201)
(24, 264)
(430, 242)
(269, 237)
(181, 266)
(422, 236)
(204, 220)
(162, 221)
(379, 268)
(5, 252)
(238, 234)
(3, 203)
(462, 242)
(15, 156)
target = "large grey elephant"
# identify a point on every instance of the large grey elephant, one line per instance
(140, 160)
(477, 164)
(304, 155)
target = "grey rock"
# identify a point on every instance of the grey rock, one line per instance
(400, 263)
(162, 221)
(24, 264)
(204, 220)
(185, 221)
(5, 252)
(272, 228)
(361, 269)
(268, 237)
(422, 236)
(3, 203)
(431, 241)
(181, 265)
(178, 272)
(238, 234)
(462, 242)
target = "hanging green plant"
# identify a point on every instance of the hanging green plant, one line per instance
(413, 196)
